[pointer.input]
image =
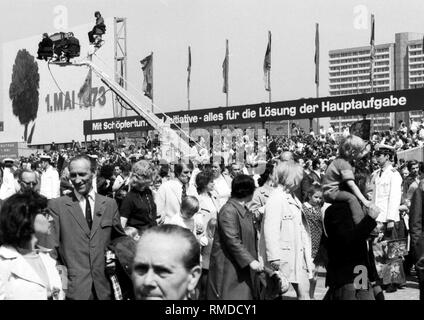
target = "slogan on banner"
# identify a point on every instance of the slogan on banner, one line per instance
(381, 102)
(8, 150)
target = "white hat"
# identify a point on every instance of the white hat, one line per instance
(45, 157)
(383, 147)
(8, 160)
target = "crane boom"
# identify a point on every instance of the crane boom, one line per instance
(168, 136)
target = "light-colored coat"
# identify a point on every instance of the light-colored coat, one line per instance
(19, 281)
(285, 235)
(168, 199)
(8, 187)
(50, 183)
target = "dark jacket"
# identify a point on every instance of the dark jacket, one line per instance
(416, 224)
(80, 249)
(233, 249)
(140, 209)
(124, 249)
(347, 245)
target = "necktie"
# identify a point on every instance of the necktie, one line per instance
(88, 212)
(184, 193)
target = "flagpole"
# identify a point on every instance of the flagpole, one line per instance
(269, 86)
(188, 98)
(372, 57)
(152, 84)
(269, 94)
(228, 66)
(90, 58)
(188, 78)
(316, 69)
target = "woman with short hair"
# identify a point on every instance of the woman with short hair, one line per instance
(138, 208)
(27, 272)
(285, 241)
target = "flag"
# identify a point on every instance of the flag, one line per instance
(267, 64)
(84, 93)
(189, 69)
(147, 67)
(317, 54)
(225, 66)
(372, 52)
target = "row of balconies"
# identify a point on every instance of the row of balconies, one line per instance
(355, 54)
(355, 86)
(355, 62)
(359, 74)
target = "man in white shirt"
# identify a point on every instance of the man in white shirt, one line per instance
(387, 192)
(50, 182)
(170, 194)
(8, 187)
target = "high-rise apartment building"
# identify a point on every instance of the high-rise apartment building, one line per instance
(397, 66)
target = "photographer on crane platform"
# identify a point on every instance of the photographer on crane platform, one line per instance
(98, 29)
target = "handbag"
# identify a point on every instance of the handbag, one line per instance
(273, 284)
(393, 272)
(397, 248)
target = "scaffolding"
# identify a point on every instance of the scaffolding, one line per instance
(120, 62)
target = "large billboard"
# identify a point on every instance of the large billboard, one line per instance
(42, 104)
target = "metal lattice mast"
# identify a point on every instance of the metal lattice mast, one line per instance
(120, 61)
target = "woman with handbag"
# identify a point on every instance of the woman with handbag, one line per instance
(285, 243)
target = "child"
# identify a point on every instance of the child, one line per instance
(312, 212)
(189, 207)
(340, 172)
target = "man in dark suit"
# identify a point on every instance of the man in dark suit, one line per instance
(84, 223)
(351, 267)
(416, 229)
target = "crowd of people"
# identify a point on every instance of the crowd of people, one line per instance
(113, 221)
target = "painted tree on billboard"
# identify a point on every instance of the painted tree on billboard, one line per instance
(23, 91)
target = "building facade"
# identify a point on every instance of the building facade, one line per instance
(397, 66)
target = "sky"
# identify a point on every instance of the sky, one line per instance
(168, 27)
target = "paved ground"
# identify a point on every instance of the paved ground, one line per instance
(409, 292)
